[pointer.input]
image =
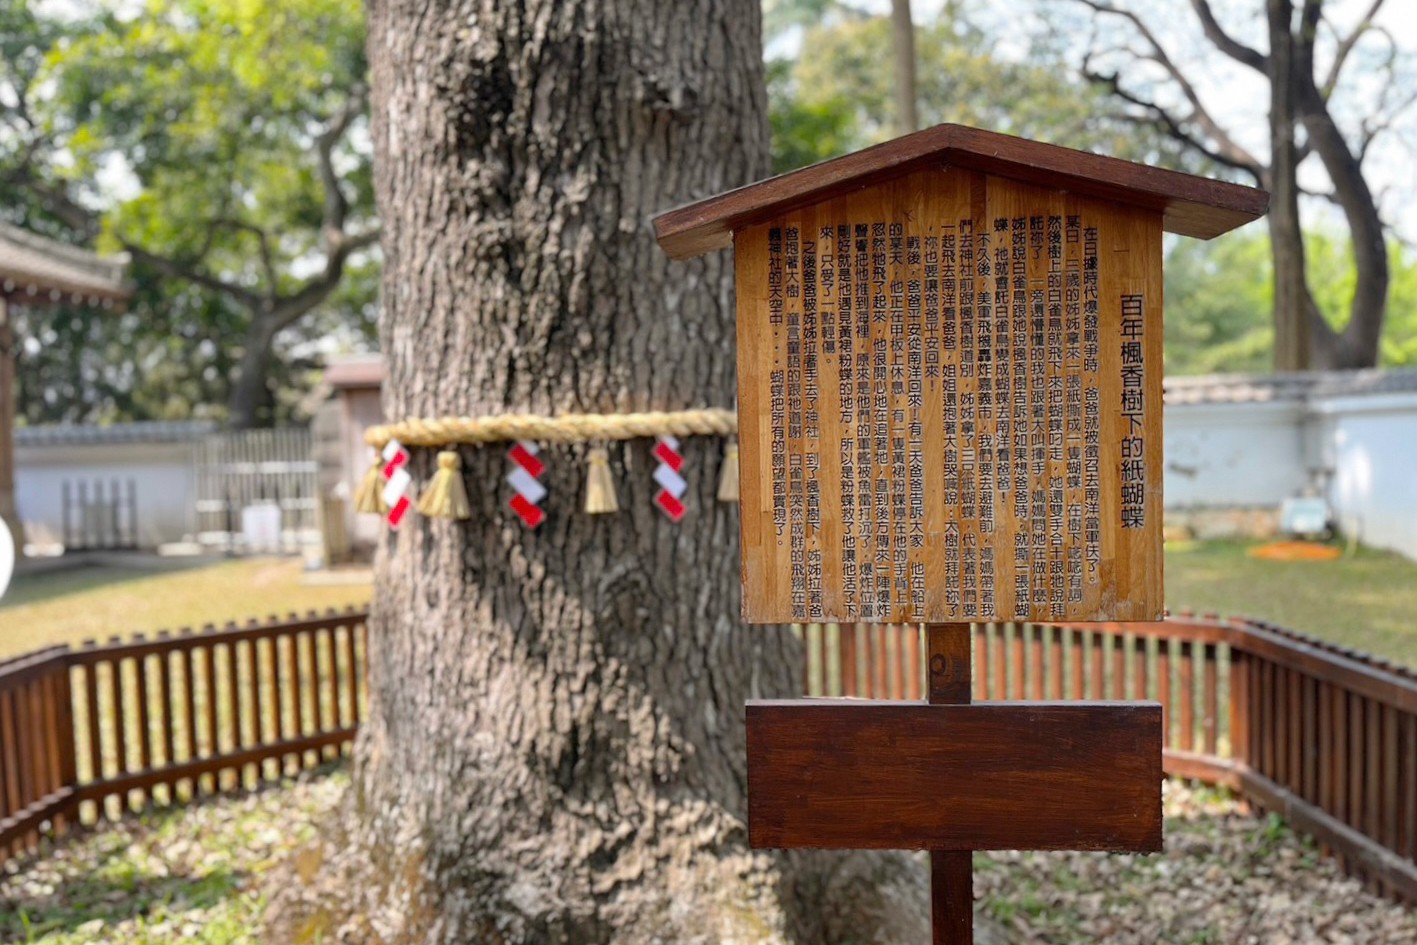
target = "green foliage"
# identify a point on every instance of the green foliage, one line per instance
(213, 107)
(1219, 300)
(1218, 303)
(194, 126)
(837, 94)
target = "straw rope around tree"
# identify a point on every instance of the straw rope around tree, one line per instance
(567, 428)
(445, 496)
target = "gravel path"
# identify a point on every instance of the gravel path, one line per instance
(194, 875)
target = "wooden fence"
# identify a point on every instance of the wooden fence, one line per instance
(1322, 735)
(108, 728)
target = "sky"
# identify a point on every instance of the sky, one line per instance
(1236, 96)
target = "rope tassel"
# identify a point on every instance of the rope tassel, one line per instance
(369, 496)
(446, 495)
(728, 479)
(599, 485)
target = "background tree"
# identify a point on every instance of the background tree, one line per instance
(833, 87)
(1315, 69)
(222, 145)
(555, 744)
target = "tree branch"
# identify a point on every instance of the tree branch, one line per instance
(189, 271)
(1345, 46)
(336, 206)
(1227, 44)
(1227, 150)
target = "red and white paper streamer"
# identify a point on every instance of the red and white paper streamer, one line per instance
(526, 471)
(671, 484)
(396, 482)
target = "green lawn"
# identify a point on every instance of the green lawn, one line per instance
(72, 605)
(1364, 600)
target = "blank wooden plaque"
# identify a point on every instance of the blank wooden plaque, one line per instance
(987, 776)
(950, 405)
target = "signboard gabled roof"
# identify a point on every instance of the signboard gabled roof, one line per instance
(1190, 205)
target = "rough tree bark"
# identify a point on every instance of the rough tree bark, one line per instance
(555, 748)
(903, 43)
(1293, 302)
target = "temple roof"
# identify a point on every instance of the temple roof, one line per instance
(35, 270)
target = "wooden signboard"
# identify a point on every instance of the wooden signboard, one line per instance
(949, 410)
(949, 371)
(994, 776)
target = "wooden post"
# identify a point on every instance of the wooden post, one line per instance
(951, 871)
(8, 512)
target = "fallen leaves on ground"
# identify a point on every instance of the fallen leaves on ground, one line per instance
(194, 874)
(190, 874)
(1225, 878)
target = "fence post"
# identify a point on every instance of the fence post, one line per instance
(1240, 668)
(66, 735)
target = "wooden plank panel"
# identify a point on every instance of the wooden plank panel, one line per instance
(1077, 642)
(982, 636)
(836, 775)
(89, 674)
(1002, 631)
(1035, 662)
(907, 357)
(1055, 663)
(1210, 698)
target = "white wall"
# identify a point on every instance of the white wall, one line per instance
(1255, 455)
(1371, 443)
(162, 473)
(1233, 455)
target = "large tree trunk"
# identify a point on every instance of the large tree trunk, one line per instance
(1293, 307)
(1357, 345)
(251, 394)
(907, 117)
(555, 748)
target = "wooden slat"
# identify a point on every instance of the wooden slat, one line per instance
(1076, 647)
(848, 635)
(1389, 826)
(188, 662)
(1141, 669)
(233, 702)
(1309, 739)
(1188, 697)
(1097, 682)
(1240, 682)
(1118, 645)
(954, 776)
(1210, 698)
(982, 634)
(140, 712)
(1035, 662)
(1001, 668)
(1055, 663)
(92, 695)
(1016, 688)
(1371, 824)
(849, 671)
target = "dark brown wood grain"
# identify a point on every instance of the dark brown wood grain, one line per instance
(1190, 206)
(989, 776)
